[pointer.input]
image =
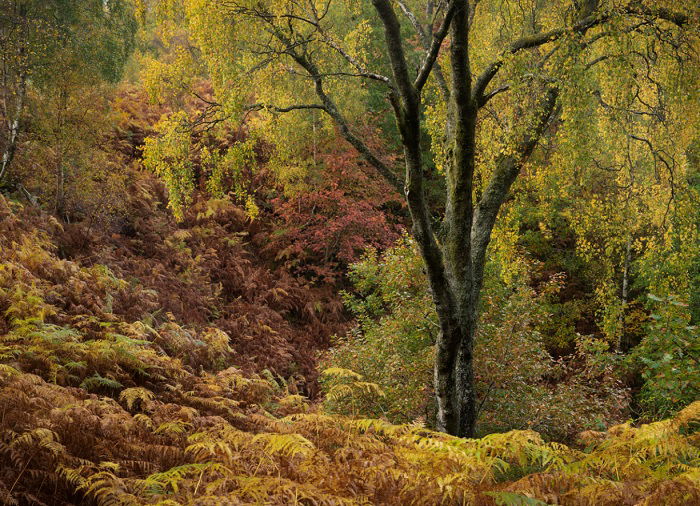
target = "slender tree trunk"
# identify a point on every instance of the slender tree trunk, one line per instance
(622, 343)
(448, 265)
(695, 292)
(59, 133)
(13, 129)
(60, 188)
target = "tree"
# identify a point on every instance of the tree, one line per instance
(44, 43)
(296, 57)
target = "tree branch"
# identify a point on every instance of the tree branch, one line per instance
(528, 42)
(592, 19)
(425, 41)
(295, 107)
(328, 105)
(392, 31)
(483, 99)
(434, 49)
(637, 8)
(407, 109)
(507, 170)
(361, 71)
(460, 169)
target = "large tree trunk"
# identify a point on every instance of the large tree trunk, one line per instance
(455, 265)
(448, 265)
(454, 379)
(457, 408)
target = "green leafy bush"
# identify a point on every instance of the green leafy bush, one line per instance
(668, 360)
(520, 386)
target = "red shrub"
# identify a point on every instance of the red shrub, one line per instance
(328, 227)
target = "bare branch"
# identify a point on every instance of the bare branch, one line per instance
(296, 48)
(434, 49)
(637, 8)
(361, 70)
(425, 38)
(290, 108)
(483, 100)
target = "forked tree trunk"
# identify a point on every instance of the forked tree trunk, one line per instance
(455, 265)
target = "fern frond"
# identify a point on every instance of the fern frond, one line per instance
(289, 445)
(131, 395)
(341, 374)
(173, 427)
(97, 381)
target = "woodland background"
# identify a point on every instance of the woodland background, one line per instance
(205, 300)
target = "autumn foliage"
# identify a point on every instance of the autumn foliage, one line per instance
(214, 262)
(106, 400)
(242, 247)
(329, 225)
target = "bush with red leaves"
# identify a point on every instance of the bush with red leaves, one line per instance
(323, 230)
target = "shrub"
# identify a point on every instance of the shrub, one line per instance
(519, 385)
(668, 360)
(342, 212)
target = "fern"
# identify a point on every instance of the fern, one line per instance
(514, 499)
(182, 431)
(160, 483)
(7, 371)
(96, 382)
(173, 427)
(338, 373)
(133, 395)
(289, 445)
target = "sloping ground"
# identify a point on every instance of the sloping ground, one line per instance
(105, 399)
(215, 269)
(226, 439)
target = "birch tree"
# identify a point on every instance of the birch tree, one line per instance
(479, 81)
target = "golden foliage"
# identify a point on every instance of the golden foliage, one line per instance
(182, 455)
(94, 408)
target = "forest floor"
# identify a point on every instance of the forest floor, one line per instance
(176, 364)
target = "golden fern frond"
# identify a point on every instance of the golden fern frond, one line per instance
(104, 486)
(344, 391)
(144, 419)
(288, 445)
(160, 483)
(219, 442)
(341, 374)
(7, 371)
(131, 395)
(173, 427)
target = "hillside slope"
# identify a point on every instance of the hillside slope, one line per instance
(137, 369)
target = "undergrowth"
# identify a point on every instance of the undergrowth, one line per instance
(105, 401)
